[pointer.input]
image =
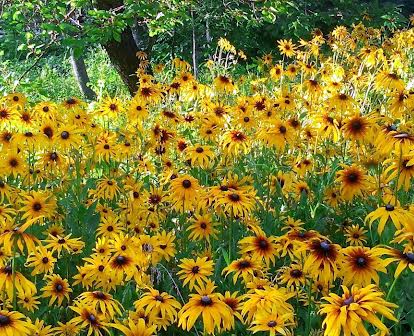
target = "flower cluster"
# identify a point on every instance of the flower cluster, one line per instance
(235, 205)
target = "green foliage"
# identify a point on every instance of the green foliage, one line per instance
(48, 29)
(53, 78)
(31, 26)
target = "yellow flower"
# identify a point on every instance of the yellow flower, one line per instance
(286, 47)
(57, 289)
(184, 193)
(203, 228)
(214, 312)
(322, 262)
(353, 181)
(193, 271)
(199, 155)
(260, 246)
(360, 265)
(158, 304)
(397, 215)
(403, 259)
(348, 312)
(14, 323)
(246, 267)
(273, 322)
(135, 328)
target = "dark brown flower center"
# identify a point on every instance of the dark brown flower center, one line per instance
(37, 206)
(48, 132)
(159, 298)
(325, 246)
(99, 295)
(361, 262)
(13, 163)
(244, 264)
(206, 300)
(186, 184)
(53, 156)
(64, 135)
(92, 318)
(389, 207)
(271, 324)
(263, 244)
(120, 260)
(348, 301)
(410, 257)
(4, 320)
(234, 197)
(353, 177)
(296, 273)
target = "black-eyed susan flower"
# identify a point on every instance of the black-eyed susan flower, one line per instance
(348, 312)
(235, 143)
(237, 203)
(135, 328)
(400, 170)
(286, 48)
(360, 265)
(260, 247)
(13, 163)
(100, 301)
(184, 193)
(292, 276)
(57, 289)
(13, 282)
(355, 235)
(158, 304)
(199, 155)
(273, 322)
(38, 204)
(233, 301)
(41, 260)
(263, 300)
(353, 181)
(195, 271)
(89, 320)
(203, 227)
(224, 83)
(28, 301)
(396, 214)
(404, 259)
(14, 323)
(207, 303)
(246, 268)
(323, 259)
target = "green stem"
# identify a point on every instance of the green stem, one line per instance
(14, 277)
(308, 319)
(392, 288)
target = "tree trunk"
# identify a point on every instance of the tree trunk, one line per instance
(194, 51)
(79, 69)
(123, 57)
(123, 54)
